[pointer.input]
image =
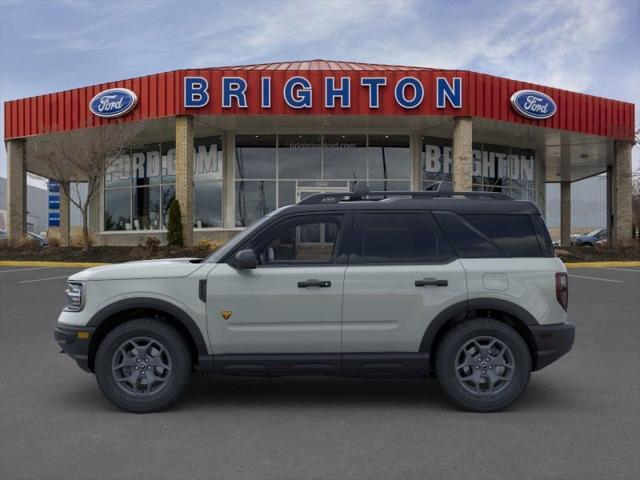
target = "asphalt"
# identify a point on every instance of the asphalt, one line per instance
(579, 418)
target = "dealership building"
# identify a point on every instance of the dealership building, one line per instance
(234, 143)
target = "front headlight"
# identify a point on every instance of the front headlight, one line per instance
(75, 299)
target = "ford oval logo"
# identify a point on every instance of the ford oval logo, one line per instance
(114, 102)
(533, 104)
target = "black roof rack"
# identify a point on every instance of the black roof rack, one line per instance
(320, 198)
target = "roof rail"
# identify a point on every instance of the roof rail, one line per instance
(320, 198)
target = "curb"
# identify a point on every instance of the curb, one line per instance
(27, 263)
(602, 264)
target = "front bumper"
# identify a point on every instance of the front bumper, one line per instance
(552, 342)
(75, 341)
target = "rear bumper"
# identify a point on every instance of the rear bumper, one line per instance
(552, 342)
(74, 341)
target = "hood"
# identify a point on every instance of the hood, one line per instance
(164, 268)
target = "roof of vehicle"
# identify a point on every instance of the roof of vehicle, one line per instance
(463, 203)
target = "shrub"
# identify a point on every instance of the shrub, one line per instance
(137, 253)
(174, 226)
(208, 246)
(54, 242)
(152, 245)
(29, 244)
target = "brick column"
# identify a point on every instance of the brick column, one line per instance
(565, 213)
(415, 147)
(228, 180)
(184, 174)
(16, 191)
(462, 154)
(65, 218)
(621, 192)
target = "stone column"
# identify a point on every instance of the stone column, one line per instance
(415, 147)
(228, 180)
(462, 154)
(622, 192)
(16, 191)
(184, 174)
(565, 213)
(65, 217)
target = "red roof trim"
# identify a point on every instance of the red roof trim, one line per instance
(160, 95)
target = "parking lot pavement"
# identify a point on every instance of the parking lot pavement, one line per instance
(579, 418)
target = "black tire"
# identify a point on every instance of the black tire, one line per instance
(173, 364)
(451, 355)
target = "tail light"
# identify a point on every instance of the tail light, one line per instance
(562, 289)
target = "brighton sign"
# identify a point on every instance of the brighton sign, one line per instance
(533, 104)
(113, 103)
(408, 92)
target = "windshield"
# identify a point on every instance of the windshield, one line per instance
(594, 233)
(240, 237)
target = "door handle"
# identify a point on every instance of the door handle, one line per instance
(427, 282)
(314, 283)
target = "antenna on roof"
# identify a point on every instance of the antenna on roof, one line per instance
(360, 190)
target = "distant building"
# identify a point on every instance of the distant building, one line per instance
(37, 207)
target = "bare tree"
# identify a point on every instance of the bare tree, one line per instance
(82, 156)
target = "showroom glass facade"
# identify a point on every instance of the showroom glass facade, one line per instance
(140, 185)
(496, 168)
(276, 170)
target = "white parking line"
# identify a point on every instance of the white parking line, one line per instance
(43, 279)
(622, 269)
(24, 269)
(597, 278)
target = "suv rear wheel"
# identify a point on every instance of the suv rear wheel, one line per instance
(483, 365)
(143, 365)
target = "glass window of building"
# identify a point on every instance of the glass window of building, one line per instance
(207, 178)
(148, 172)
(277, 170)
(256, 156)
(436, 160)
(496, 168)
(388, 157)
(299, 156)
(254, 199)
(345, 157)
(117, 209)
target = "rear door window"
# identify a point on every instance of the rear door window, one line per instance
(401, 238)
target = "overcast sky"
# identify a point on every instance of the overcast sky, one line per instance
(582, 45)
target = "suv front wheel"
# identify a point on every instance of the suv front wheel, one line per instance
(483, 365)
(143, 365)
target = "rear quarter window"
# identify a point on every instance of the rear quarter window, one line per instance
(487, 236)
(467, 241)
(513, 234)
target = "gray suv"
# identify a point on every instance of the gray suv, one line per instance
(463, 287)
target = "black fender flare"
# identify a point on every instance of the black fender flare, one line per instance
(461, 309)
(154, 304)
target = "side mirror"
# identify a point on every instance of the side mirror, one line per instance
(245, 260)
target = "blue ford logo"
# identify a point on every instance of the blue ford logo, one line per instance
(114, 102)
(533, 104)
